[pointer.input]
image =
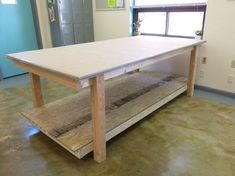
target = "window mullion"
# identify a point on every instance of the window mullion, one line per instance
(167, 22)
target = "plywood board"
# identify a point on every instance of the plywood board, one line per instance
(83, 61)
(129, 98)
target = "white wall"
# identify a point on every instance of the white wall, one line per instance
(220, 47)
(111, 24)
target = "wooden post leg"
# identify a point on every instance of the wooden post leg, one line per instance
(192, 72)
(98, 117)
(36, 90)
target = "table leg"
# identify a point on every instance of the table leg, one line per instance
(192, 72)
(98, 117)
(36, 90)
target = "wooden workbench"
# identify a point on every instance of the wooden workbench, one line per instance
(78, 123)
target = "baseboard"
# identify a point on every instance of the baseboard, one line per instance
(216, 91)
(15, 75)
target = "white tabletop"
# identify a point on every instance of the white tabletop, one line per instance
(87, 60)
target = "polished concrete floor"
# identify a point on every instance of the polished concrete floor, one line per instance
(187, 137)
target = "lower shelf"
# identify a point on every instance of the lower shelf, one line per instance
(129, 98)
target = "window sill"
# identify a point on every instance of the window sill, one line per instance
(173, 36)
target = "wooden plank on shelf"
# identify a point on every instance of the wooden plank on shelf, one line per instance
(120, 128)
(129, 98)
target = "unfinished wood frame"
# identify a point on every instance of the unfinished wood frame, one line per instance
(192, 72)
(36, 90)
(141, 51)
(98, 117)
(77, 137)
(97, 86)
(53, 76)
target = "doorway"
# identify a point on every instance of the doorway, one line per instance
(17, 34)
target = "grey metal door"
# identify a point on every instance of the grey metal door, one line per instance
(79, 33)
(78, 11)
(83, 21)
(66, 21)
(74, 23)
(67, 33)
(88, 11)
(55, 26)
(65, 11)
(88, 32)
(88, 21)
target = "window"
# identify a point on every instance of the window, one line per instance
(148, 26)
(8, 1)
(167, 2)
(193, 21)
(175, 18)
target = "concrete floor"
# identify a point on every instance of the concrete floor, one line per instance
(188, 137)
(14, 81)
